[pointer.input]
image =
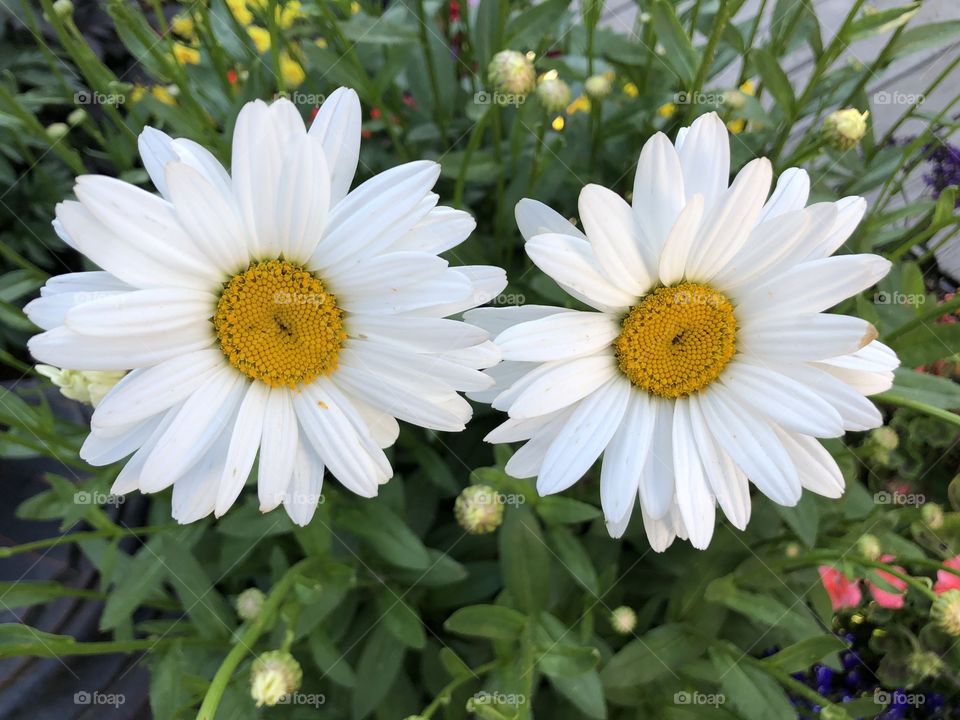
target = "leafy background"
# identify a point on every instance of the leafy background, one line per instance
(391, 608)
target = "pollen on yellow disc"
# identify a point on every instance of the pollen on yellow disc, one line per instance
(677, 340)
(276, 323)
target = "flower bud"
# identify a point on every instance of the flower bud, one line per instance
(478, 509)
(924, 663)
(623, 620)
(932, 515)
(76, 117)
(274, 676)
(554, 94)
(598, 87)
(869, 546)
(885, 437)
(843, 129)
(946, 612)
(58, 130)
(249, 603)
(511, 73)
(63, 8)
(86, 386)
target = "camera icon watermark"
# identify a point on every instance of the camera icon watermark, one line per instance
(898, 698)
(899, 298)
(885, 497)
(95, 97)
(698, 698)
(887, 97)
(483, 97)
(114, 700)
(314, 700)
(96, 497)
(714, 99)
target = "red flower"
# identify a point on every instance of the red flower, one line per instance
(885, 598)
(843, 592)
(374, 113)
(232, 76)
(947, 580)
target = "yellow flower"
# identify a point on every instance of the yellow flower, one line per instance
(845, 128)
(354, 7)
(260, 37)
(631, 90)
(186, 55)
(136, 95)
(736, 126)
(581, 104)
(558, 123)
(163, 94)
(183, 26)
(291, 71)
(289, 14)
(240, 11)
(320, 43)
(748, 88)
(667, 110)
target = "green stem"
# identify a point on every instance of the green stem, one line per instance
(438, 108)
(472, 144)
(6, 552)
(893, 399)
(794, 686)
(719, 25)
(65, 649)
(443, 697)
(211, 701)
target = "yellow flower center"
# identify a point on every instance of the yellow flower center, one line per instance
(277, 324)
(677, 340)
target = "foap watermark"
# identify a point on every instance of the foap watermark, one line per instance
(314, 700)
(96, 497)
(95, 97)
(301, 98)
(899, 298)
(898, 698)
(114, 700)
(484, 97)
(499, 698)
(714, 99)
(294, 298)
(499, 498)
(698, 698)
(896, 497)
(894, 97)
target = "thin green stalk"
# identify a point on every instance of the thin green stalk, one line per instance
(893, 399)
(473, 143)
(65, 649)
(112, 532)
(443, 697)
(706, 61)
(751, 39)
(438, 109)
(211, 701)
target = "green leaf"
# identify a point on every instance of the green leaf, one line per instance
(585, 692)
(26, 593)
(330, 660)
(17, 639)
(574, 558)
(925, 37)
(366, 30)
(764, 608)
(487, 621)
(775, 80)
(803, 518)
(800, 656)
(401, 619)
(881, 21)
(208, 610)
(166, 684)
(680, 55)
(562, 660)
(933, 390)
(524, 559)
(535, 22)
(754, 694)
(558, 509)
(658, 653)
(386, 534)
(377, 668)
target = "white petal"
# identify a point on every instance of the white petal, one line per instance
(561, 383)
(158, 310)
(785, 401)
(303, 200)
(558, 337)
(144, 393)
(303, 495)
(683, 235)
(857, 412)
(804, 337)
(414, 333)
(819, 472)
(443, 228)
(535, 218)
(791, 193)
(657, 484)
(660, 532)
(752, 444)
(572, 264)
(278, 448)
(610, 227)
(658, 195)
(337, 127)
(850, 211)
(626, 456)
(244, 441)
(705, 159)
(157, 150)
(728, 483)
(101, 450)
(192, 433)
(584, 436)
(694, 498)
(497, 319)
(62, 347)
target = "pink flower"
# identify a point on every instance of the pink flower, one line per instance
(947, 580)
(885, 598)
(843, 592)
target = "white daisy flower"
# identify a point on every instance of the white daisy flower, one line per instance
(708, 361)
(267, 308)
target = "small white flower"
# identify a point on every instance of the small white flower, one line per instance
(267, 309)
(708, 359)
